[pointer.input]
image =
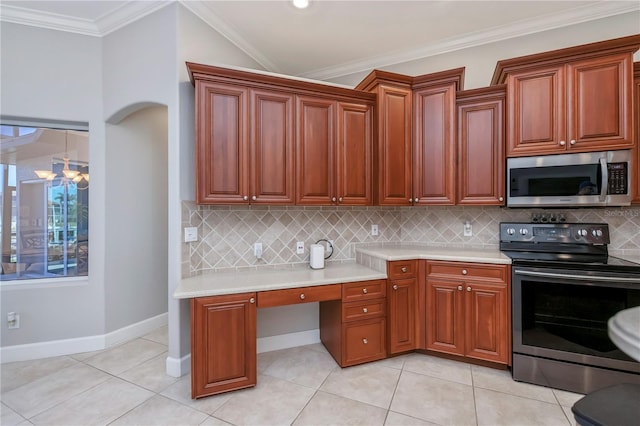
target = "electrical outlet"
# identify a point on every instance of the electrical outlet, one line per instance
(257, 250)
(467, 229)
(190, 234)
(300, 247)
(374, 230)
(13, 320)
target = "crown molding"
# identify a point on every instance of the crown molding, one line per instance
(516, 29)
(202, 11)
(118, 18)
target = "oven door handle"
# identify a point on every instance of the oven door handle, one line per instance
(575, 277)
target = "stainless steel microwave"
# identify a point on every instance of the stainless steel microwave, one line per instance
(570, 180)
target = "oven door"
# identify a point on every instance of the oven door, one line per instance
(562, 314)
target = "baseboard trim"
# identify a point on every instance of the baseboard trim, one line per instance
(289, 340)
(61, 347)
(178, 367)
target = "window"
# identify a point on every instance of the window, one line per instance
(44, 202)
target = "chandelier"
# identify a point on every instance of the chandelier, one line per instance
(68, 174)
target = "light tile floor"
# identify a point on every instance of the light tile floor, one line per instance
(127, 385)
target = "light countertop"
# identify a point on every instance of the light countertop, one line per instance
(437, 253)
(218, 283)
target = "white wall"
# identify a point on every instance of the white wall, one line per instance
(57, 76)
(480, 61)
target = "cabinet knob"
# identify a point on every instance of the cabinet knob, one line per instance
(395, 286)
(469, 288)
(562, 143)
(365, 341)
(460, 287)
(333, 199)
(500, 199)
(573, 142)
(464, 272)
(252, 300)
(254, 198)
(365, 310)
(411, 200)
(302, 296)
(364, 290)
(403, 269)
(340, 199)
(245, 198)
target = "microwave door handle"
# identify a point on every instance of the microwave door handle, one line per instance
(605, 179)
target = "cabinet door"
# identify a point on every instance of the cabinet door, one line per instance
(315, 151)
(481, 153)
(221, 144)
(402, 299)
(393, 168)
(445, 316)
(223, 343)
(486, 325)
(353, 174)
(600, 107)
(536, 112)
(636, 149)
(272, 150)
(435, 145)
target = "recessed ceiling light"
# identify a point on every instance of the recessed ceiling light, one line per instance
(301, 4)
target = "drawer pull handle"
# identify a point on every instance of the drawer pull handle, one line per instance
(403, 269)
(365, 310)
(460, 287)
(302, 296)
(464, 272)
(365, 341)
(252, 300)
(468, 288)
(364, 290)
(395, 286)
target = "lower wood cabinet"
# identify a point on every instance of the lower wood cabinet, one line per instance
(468, 310)
(353, 329)
(223, 343)
(402, 303)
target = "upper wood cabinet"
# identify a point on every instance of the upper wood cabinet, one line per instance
(577, 99)
(434, 137)
(334, 152)
(392, 152)
(636, 129)
(480, 171)
(274, 140)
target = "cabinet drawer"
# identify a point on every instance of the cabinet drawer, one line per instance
(364, 290)
(363, 310)
(292, 296)
(363, 341)
(468, 271)
(402, 269)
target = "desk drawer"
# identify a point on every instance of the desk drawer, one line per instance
(363, 310)
(402, 269)
(364, 290)
(292, 296)
(364, 341)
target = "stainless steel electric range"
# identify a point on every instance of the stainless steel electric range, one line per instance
(564, 288)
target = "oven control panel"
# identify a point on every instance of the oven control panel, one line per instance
(574, 233)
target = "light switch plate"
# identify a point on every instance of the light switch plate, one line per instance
(190, 234)
(374, 230)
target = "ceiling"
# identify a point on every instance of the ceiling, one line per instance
(331, 38)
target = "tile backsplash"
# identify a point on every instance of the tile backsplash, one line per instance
(227, 233)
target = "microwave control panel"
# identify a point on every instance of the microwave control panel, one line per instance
(617, 178)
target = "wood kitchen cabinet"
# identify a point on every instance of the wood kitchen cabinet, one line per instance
(570, 100)
(392, 169)
(223, 343)
(434, 137)
(480, 173)
(468, 310)
(402, 306)
(353, 329)
(334, 141)
(636, 117)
